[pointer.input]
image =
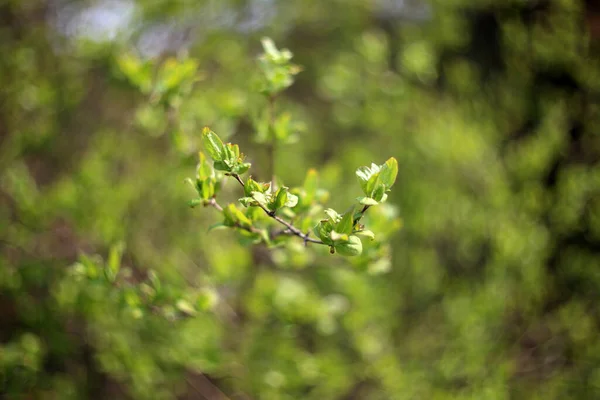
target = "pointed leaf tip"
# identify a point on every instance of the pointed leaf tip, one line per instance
(213, 144)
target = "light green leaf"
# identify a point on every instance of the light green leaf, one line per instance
(252, 186)
(281, 197)
(379, 192)
(353, 247)
(388, 173)
(218, 225)
(260, 198)
(241, 168)
(204, 169)
(213, 144)
(366, 233)
(185, 307)
(222, 166)
(336, 236)
(292, 200)
(346, 223)
(195, 202)
(332, 215)
(367, 201)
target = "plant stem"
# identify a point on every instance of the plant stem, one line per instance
(362, 212)
(272, 140)
(213, 203)
(292, 229)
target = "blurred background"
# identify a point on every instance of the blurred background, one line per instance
(489, 290)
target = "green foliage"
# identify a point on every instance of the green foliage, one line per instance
(487, 287)
(337, 232)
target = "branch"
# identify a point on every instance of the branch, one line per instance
(271, 144)
(213, 203)
(362, 212)
(295, 231)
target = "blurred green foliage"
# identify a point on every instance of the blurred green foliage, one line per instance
(110, 287)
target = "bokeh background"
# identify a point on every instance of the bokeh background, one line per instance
(491, 291)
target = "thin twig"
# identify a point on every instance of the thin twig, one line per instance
(213, 203)
(290, 227)
(271, 143)
(362, 212)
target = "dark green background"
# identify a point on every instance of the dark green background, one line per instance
(492, 110)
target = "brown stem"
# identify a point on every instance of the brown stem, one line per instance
(213, 203)
(290, 227)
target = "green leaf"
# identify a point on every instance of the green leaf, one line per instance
(195, 202)
(367, 201)
(213, 144)
(269, 47)
(353, 247)
(379, 192)
(204, 169)
(260, 198)
(233, 216)
(336, 236)
(372, 185)
(252, 186)
(185, 307)
(222, 166)
(365, 175)
(241, 168)
(281, 197)
(322, 230)
(346, 223)
(366, 233)
(114, 261)
(292, 200)
(247, 201)
(388, 173)
(333, 216)
(218, 225)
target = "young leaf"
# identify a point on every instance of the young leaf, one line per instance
(260, 198)
(218, 225)
(185, 307)
(222, 166)
(233, 216)
(367, 201)
(353, 247)
(346, 223)
(213, 144)
(366, 233)
(388, 173)
(367, 177)
(195, 203)
(339, 237)
(292, 200)
(204, 169)
(114, 259)
(252, 186)
(332, 215)
(281, 197)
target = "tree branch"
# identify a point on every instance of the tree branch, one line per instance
(290, 227)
